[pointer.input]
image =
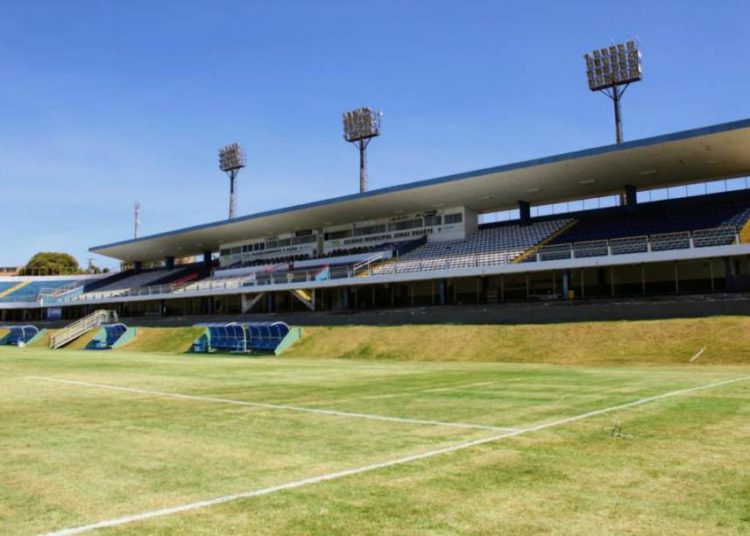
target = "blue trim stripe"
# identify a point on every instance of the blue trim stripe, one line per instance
(645, 142)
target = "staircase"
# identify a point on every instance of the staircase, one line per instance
(365, 267)
(307, 297)
(745, 233)
(72, 331)
(533, 249)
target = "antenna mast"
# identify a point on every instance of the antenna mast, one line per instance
(136, 219)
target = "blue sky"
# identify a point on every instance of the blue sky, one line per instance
(103, 103)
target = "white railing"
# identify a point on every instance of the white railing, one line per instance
(52, 296)
(72, 331)
(366, 265)
(718, 236)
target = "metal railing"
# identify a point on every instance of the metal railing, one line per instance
(718, 236)
(51, 296)
(365, 267)
(72, 331)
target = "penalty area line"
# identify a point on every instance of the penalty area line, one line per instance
(381, 465)
(265, 405)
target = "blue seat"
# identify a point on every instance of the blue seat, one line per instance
(266, 336)
(30, 292)
(21, 334)
(114, 332)
(229, 337)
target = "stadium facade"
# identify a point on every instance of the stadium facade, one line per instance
(428, 242)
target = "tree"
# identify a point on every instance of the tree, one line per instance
(51, 263)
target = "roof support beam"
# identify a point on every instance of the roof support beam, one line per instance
(524, 209)
(630, 197)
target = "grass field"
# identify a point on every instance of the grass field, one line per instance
(75, 450)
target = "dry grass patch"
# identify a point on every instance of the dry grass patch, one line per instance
(726, 339)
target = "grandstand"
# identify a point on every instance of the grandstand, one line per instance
(26, 293)
(429, 242)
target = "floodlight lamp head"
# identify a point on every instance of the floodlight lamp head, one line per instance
(361, 124)
(613, 66)
(232, 157)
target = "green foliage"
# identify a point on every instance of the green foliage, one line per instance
(51, 263)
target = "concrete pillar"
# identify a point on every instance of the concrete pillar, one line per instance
(207, 258)
(138, 266)
(169, 263)
(524, 209)
(441, 290)
(565, 284)
(630, 197)
(583, 285)
(528, 287)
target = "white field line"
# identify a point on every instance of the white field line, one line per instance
(375, 466)
(320, 411)
(696, 356)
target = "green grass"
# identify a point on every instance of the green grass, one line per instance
(72, 454)
(165, 340)
(653, 342)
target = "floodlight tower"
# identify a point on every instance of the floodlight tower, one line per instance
(360, 126)
(611, 70)
(232, 159)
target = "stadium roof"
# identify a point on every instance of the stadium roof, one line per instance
(713, 152)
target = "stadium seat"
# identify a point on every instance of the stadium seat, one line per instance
(701, 216)
(29, 291)
(494, 245)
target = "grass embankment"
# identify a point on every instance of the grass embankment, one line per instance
(43, 340)
(726, 339)
(162, 340)
(81, 342)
